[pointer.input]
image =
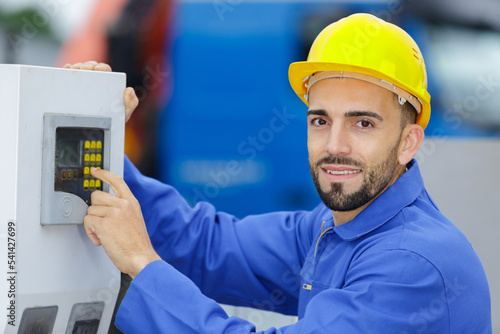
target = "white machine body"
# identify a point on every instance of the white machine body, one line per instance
(55, 124)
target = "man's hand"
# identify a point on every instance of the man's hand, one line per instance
(117, 224)
(129, 97)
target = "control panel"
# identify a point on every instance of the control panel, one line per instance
(73, 145)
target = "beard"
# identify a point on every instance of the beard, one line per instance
(375, 179)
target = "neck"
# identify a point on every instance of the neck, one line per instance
(342, 217)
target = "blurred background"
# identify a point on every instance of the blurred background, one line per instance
(219, 121)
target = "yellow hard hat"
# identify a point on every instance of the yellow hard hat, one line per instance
(367, 48)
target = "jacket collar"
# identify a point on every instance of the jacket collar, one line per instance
(401, 193)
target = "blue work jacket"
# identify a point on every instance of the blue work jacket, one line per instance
(399, 267)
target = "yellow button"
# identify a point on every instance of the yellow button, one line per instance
(98, 158)
(99, 146)
(85, 185)
(86, 171)
(87, 146)
(98, 184)
(92, 159)
(92, 145)
(86, 158)
(70, 175)
(92, 183)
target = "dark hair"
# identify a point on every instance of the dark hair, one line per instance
(408, 113)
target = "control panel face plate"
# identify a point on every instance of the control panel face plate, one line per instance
(72, 146)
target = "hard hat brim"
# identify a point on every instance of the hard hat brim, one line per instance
(299, 73)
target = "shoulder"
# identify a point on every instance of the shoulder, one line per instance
(423, 246)
(422, 229)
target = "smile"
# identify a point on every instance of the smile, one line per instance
(344, 172)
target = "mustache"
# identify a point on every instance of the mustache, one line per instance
(339, 160)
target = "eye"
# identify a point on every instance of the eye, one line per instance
(318, 122)
(364, 124)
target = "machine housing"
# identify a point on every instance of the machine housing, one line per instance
(56, 281)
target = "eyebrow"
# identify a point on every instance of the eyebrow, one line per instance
(318, 112)
(363, 113)
(352, 113)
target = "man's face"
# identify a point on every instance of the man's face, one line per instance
(354, 131)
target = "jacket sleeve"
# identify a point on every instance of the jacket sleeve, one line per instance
(386, 292)
(251, 262)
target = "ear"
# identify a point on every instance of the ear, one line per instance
(411, 139)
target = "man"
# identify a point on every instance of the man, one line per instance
(376, 256)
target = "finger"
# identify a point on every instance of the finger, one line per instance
(99, 211)
(90, 230)
(89, 65)
(95, 240)
(116, 183)
(102, 67)
(67, 66)
(76, 66)
(131, 102)
(101, 198)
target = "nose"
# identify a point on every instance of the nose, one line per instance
(338, 141)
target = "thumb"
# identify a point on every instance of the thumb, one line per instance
(131, 102)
